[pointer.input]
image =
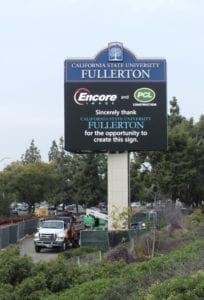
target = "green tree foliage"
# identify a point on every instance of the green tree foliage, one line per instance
(32, 182)
(174, 117)
(175, 169)
(196, 186)
(140, 179)
(31, 155)
(64, 167)
(88, 179)
(180, 170)
(54, 152)
(177, 172)
(8, 194)
(4, 198)
(84, 176)
(67, 178)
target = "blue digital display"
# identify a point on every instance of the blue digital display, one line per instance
(115, 102)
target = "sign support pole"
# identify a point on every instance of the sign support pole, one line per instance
(118, 190)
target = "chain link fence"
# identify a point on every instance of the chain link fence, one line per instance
(108, 239)
(91, 258)
(105, 240)
(11, 234)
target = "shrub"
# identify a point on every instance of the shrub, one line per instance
(117, 280)
(195, 219)
(191, 287)
(91, 290)
(6, 292)
(120, 253)
(59, 275)
(145, 273)
(33, 288)
(13, 267)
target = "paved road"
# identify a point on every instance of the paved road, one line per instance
(27, 247)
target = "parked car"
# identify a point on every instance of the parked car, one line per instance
(138, 225)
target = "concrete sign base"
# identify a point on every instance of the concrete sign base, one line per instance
(118, 190)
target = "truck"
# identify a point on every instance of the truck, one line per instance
(41, 212)
(56, 233)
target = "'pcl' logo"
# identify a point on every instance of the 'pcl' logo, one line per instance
(144, 95)
(83, 96)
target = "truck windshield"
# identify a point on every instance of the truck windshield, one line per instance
(53, 224)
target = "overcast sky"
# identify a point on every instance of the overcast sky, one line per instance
(37, 35)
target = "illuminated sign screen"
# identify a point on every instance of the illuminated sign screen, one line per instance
(115, 103)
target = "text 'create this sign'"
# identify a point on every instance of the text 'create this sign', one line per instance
(115, 102)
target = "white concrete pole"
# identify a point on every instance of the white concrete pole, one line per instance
(118, 190)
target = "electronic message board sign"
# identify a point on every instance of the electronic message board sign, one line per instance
(115, 103)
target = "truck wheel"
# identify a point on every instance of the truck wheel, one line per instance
(37, 249)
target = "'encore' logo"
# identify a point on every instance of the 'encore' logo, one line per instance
(144, 95)
(83, 96)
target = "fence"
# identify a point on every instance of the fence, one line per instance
(91, 258)
(11, 234)
(107, 239)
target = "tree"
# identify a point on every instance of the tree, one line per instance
(87, 181)
(77, 170)
(54, 153)
(64, 167)
(140, 179)
(174, 117)
(31, 155)
(32, 182)
(8, 193)
(196, 188)
(177, 172)
(5, 200)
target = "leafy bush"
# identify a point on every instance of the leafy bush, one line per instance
(137, 276)
(33, 288)
(191, 287)
(13, 267)
(113, 281)
(195, 219)
(91, 290)
(59, 275)
(6, 292)
(20, 278)
(105, 269)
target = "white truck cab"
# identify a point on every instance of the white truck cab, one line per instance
(52, 233)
